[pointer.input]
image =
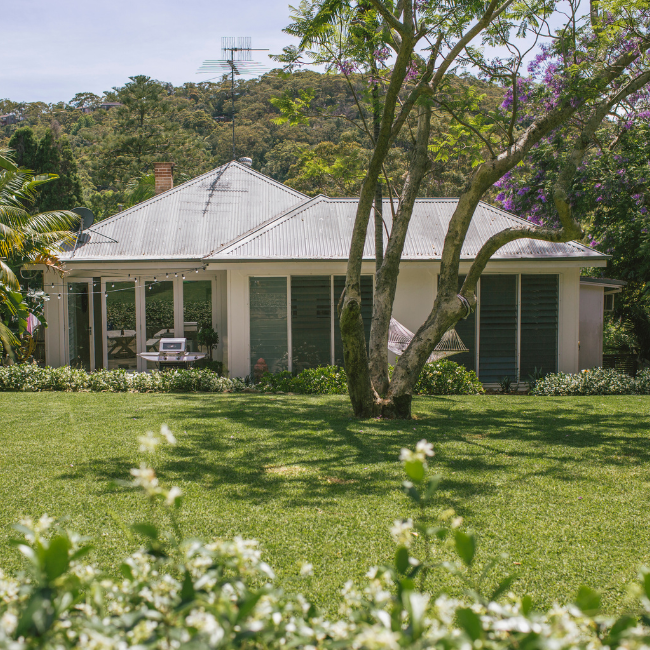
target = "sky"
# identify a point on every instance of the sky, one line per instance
(53, 50)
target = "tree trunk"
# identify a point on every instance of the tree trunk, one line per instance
(386, 283)
(355, 354)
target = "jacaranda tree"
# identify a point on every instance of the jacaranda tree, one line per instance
(585, 70)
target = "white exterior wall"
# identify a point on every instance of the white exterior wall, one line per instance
(591, 326)
(568, 321)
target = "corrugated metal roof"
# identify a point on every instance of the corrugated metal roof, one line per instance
(322, 227)
(190, 220)
(236, 213)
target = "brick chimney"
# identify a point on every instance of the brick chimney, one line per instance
(162, 172)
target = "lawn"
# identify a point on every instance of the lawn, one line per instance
(560, 484)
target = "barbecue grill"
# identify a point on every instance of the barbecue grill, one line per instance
(172, 353)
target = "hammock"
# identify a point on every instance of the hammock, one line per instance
(399, 337)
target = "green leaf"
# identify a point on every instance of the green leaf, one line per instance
(526, 605)
(126, 571)
(411, 491)
(434, 482)
(502, 587)
(83, 551)
(187, 592)
(470, 622)
(402, 559)
(588, 600)
(622, 624)
(646, 583)
(146, 529)
(56, 557)
(414, 470)
(465, 546)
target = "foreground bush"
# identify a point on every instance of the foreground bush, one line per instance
(177, 593)
(599, 381)
(30, 377)
(439, 378)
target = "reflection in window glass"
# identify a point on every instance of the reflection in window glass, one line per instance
(197, 311)
(120, 326)
(268, 323)
(79, 325)
(159, 314)
(311, 323)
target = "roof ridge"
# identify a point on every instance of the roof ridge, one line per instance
(157, 197)
(251, 231)
(267, 179)
(269, 224)
(223, 168)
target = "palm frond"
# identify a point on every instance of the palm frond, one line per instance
(8, 277)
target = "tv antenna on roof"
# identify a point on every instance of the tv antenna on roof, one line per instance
(236, 59)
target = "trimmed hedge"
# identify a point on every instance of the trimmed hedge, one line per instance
(325, 380)
(32, 378)
(599, 381)
(439, 378)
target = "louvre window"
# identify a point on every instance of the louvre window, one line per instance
(539, 324)
(498, 328)
(311, 321)
(366, 313)
(268, 323)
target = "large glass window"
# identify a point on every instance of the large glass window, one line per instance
(539, 324)
(79, 325)
(159, 314)
(120, 326)
(366, 313)
(498, 329)
(311, 321)
(197, 311)
(268, 324)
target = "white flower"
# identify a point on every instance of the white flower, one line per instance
(205, 623)
(43, 523)
(424, 447)
(148, 442)
(167, 434)
(377, 637)
(306, 569)
(145, 478)
(401, 531)
(172, 495)
(8, 623)
(422, 450)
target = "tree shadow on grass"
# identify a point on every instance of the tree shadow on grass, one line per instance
(310, 451)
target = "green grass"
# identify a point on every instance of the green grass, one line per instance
(560, 484)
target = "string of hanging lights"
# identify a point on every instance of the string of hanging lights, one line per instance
(51, 289)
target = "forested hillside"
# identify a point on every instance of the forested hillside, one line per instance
(104, 155)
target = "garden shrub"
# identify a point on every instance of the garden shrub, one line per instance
(446, 377)
(438, 378)
(599, 381)
(31, 377)
(178, 593)
(324, 380)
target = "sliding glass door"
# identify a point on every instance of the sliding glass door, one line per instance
(79, 315)
(121, 340)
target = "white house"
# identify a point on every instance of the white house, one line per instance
(265, 264)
